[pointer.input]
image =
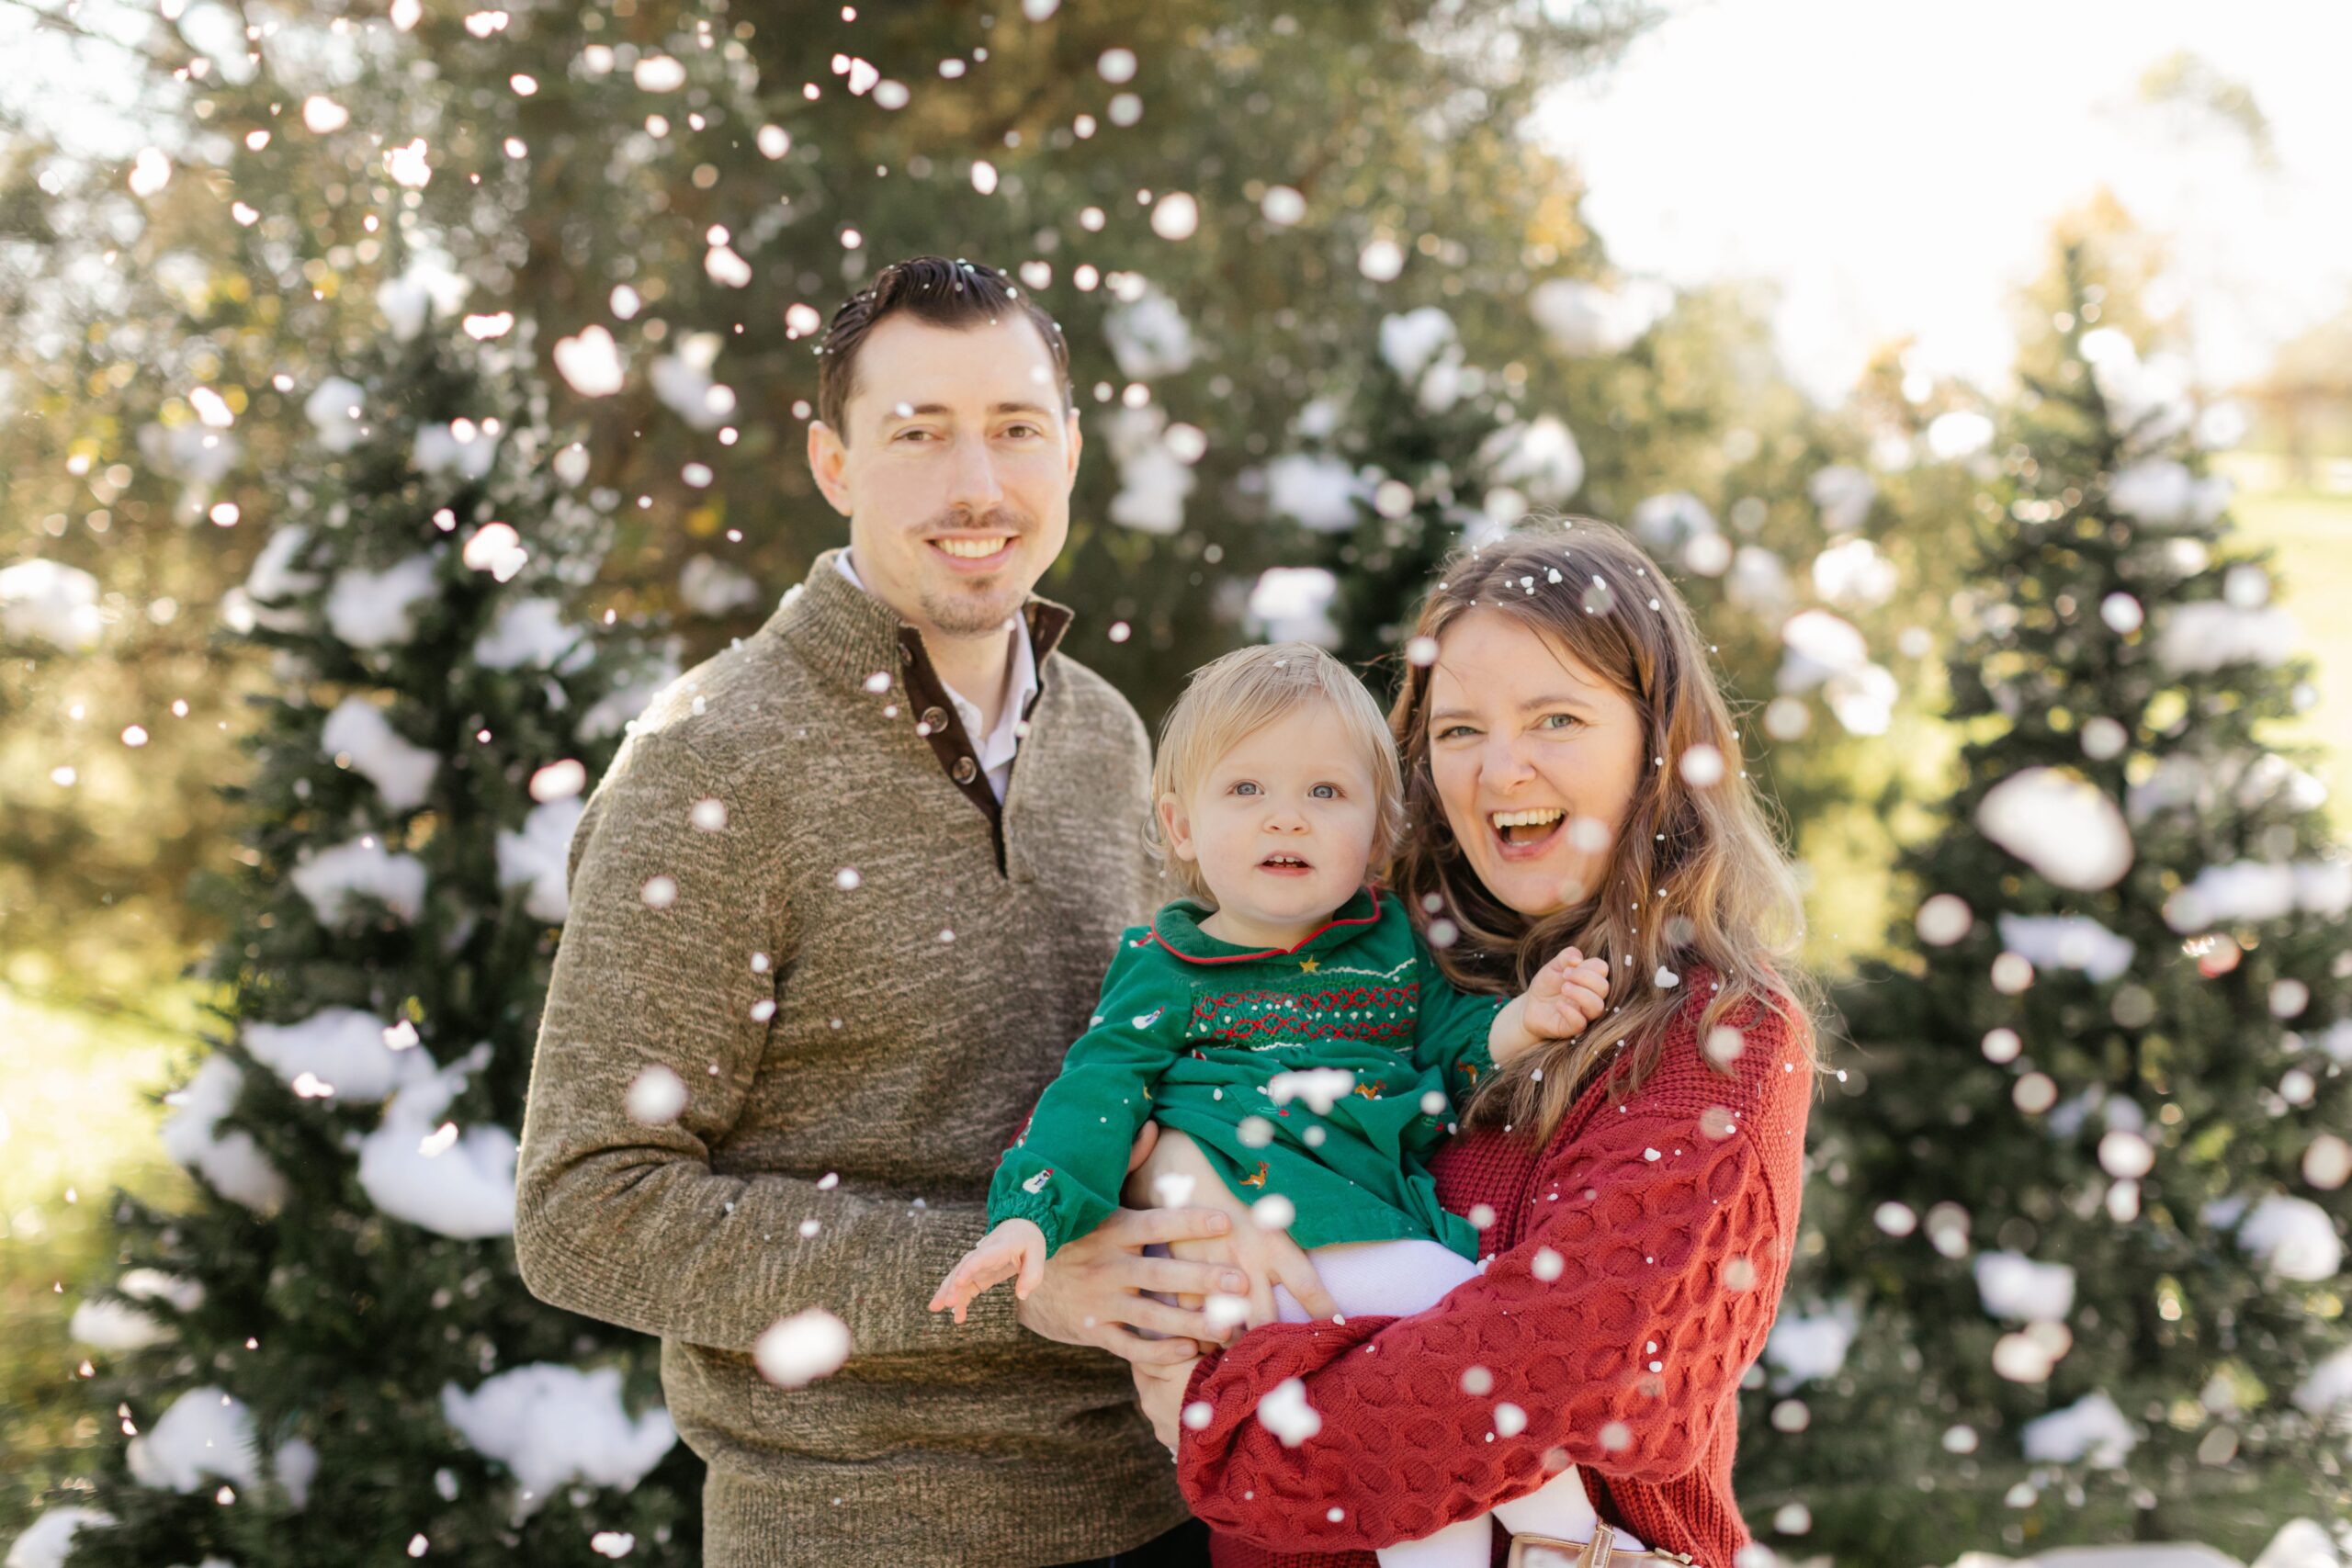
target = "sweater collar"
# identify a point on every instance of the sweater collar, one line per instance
(1177, 928)
(849, 634)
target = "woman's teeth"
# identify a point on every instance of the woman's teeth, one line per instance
(1539, 819)
(973, 549)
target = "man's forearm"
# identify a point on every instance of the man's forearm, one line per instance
(669, 1248)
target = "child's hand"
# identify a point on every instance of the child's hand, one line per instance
(1015, 1247)
(1567, 994)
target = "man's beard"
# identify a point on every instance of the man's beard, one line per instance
(979, 610)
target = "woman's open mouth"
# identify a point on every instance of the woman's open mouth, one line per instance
(1525, 835)
(1285, 865)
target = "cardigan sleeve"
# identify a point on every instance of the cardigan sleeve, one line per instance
(1065, 1168)
(1611, 1337)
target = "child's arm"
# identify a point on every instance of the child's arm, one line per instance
(1453, 1028)
(1014, 1250)
(1063, 1174)
(1566, 995)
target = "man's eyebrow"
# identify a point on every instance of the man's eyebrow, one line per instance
(910, 411)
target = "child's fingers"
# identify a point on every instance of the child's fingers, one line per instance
(977, 1272)
(1565, 962)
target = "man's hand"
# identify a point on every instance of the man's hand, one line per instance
(1173, 1172)
(1014, 1250)
(1159, 1391)
(1093, 1293)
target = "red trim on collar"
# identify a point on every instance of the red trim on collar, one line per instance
(1372, 919)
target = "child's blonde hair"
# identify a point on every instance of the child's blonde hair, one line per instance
(1228, 699)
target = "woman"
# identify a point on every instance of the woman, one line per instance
(1574, 777)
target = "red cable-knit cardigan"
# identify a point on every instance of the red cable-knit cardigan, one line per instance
(1638, 1260)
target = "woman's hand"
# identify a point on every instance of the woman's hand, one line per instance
(1175, 1174)
(1159, 1392)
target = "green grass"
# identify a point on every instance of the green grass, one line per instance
(77, 1120)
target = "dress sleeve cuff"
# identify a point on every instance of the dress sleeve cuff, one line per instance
(1037, 1211)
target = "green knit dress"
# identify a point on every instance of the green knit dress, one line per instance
(1324, 1074)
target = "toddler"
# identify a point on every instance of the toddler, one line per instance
(1290, 1020)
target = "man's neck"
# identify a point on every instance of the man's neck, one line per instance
(975, 667)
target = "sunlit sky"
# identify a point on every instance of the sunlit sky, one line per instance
(1893, 165)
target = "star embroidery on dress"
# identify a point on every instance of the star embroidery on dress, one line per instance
(1308, 965)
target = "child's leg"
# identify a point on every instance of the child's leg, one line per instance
(1468, 1543)
(1561, 1509)
(1386, 1278)
(1398, 1278)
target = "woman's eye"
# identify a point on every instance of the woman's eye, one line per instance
(1451, 730)
(1566, 719)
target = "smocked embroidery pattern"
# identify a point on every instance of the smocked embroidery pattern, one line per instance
(1262, 1019)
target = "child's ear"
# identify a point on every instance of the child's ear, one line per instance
(1175, 827)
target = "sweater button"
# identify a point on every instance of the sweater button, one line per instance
(935, 719)
(965, 770)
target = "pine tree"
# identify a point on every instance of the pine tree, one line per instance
(330, 1358)
(2076, 1273)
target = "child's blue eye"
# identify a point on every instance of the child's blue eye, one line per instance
(1245, 787)
(1325, 791)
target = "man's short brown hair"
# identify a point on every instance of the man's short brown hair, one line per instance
(958, 294)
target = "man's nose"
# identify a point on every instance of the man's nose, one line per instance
(974, 475)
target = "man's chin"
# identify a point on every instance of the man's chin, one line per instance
(974, 611)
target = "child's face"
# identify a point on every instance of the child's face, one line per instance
(1282, 825)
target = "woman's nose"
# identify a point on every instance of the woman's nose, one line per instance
(1501, 764)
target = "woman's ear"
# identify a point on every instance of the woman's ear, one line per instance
(1175, 827)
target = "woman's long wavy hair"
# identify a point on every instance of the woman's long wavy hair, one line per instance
(1696, 874)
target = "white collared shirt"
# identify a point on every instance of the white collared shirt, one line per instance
(996, 752)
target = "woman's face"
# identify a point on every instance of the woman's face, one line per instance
(1535, 757)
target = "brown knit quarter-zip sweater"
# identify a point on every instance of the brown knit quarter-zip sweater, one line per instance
(782, 894)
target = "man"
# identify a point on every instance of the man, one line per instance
(837, 910)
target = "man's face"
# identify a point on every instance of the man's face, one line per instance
(955, 469)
